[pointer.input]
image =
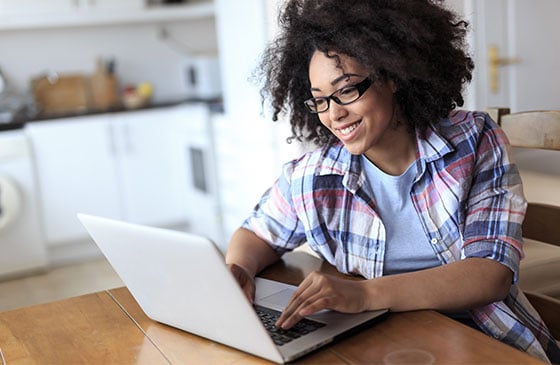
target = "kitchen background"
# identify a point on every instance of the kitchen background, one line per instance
(146, 114)
(175, 107)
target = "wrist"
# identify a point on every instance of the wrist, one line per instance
(376, 296)
(241, 266)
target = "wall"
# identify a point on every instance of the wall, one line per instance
(250, 147)
(140, 54)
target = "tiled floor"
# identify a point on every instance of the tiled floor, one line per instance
(58, 283)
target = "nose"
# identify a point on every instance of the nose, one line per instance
(336, 111)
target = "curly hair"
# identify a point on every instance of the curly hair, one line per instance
(418, 44)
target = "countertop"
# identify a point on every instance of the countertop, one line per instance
(19, 122)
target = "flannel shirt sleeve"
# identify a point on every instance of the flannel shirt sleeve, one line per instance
(274, 218)
(496, 204)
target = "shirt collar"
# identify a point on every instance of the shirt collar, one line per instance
(337, 160)
(433, 146)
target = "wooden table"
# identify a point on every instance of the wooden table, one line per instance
(110, 328)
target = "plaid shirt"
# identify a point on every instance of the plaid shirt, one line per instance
(468, 195)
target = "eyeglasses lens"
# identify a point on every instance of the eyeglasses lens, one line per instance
(343, 96)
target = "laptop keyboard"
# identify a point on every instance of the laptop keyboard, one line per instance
(280, 336)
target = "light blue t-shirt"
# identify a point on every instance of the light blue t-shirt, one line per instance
(406, 247)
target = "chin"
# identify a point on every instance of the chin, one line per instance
(354, 150)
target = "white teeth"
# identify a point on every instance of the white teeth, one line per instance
(349, 129)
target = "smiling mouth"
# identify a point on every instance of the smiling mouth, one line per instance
(347, 130)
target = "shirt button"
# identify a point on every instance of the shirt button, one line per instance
(434, 241)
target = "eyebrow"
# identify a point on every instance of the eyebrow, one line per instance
(336, 81)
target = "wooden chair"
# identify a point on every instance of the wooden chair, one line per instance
(539, 274)
(540, 270)
(549, 309)
(542, 223)
(533, 129)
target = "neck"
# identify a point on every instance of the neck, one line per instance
(397, 156)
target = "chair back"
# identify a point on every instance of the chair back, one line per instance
(532, 129)
(542, 223)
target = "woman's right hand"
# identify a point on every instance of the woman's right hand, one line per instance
(245, 281)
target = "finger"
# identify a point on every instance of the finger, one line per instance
(295, 305)
(312, 305)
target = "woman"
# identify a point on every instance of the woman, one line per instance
(421, 200)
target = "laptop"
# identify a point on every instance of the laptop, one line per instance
(181, 280)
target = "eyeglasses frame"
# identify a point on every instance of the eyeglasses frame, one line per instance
(361, 86)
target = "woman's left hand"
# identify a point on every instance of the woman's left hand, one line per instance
(320, 291)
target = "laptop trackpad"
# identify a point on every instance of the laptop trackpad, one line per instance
(278, 300)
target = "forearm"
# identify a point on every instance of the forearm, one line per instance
(453, 287)
(250, 252)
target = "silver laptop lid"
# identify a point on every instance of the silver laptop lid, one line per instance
(181, 280)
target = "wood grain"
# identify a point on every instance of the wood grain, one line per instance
(542, 223)
(90, 329)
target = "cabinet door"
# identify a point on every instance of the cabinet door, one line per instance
(152, 166)
(76, 173)
(31, 7)
(34, 7)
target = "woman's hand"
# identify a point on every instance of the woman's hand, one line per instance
(320, 291)
(247, 255)
(245, 281)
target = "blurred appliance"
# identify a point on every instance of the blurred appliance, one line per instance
(21, 239)
(203, 212)
(13, 105)
(203, 77)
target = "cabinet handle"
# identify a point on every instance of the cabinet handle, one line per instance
(129, 147)
(111, 138)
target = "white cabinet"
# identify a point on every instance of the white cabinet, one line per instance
(151, 164)
(34, 7)
(76, 173)
(34, 14)
(130, 166)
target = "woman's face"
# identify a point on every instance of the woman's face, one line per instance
(367, 123)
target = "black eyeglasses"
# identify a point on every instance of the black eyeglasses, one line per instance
(343, 96)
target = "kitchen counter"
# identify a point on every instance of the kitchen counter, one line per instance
(215, 105)
(212, 103)
(11, 126)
